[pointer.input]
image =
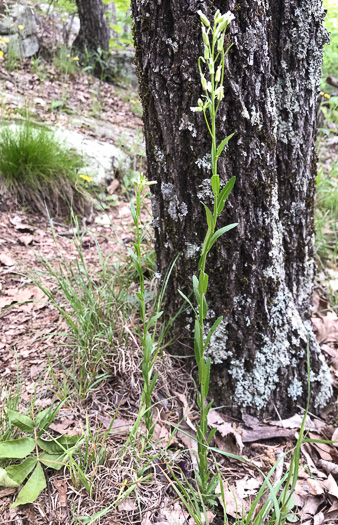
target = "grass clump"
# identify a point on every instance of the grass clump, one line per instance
(40, 171)
(66, 62)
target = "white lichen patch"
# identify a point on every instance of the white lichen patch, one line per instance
(185, 124)
(204, 163)
(176, 209)
(323, 378)
(217, 349)
(155, 209)
(159, 156)
(295, 389)
(276, 254)
(289, 332)
(192, 250)
(204, 192)
(306, 280)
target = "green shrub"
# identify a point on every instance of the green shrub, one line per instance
(39, 171)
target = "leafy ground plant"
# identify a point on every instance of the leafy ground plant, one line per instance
(35, 451)
(147, 331)
(93, 306)
(214, 56)
(41, 171)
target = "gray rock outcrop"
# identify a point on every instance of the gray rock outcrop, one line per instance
(19, 27)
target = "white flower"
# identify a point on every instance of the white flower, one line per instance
(200, 103)
(225, 20)
(196, 109)
(209, 86)
(219, 93)
(218, 74)
(204, 18)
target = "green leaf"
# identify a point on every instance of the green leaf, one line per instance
(212, 330)
(212, 485)
(153, 382)
(18, 473)
(215, 184)
(207, 379)
(6, 481)
(210, 218)
(224, 194)
(204, 308)
(44, 418)
(34, 486)
(223, 144)
(54, 461)
(203, 282)
(188, 301)
(220, 232)
(211, 435)
(59, 444)
(133, 212)
(197, 341)
(17, 448)
(24, 423)
(153, 320)
(195, 287)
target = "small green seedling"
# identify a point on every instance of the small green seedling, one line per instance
(35, 451)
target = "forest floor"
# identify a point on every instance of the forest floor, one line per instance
(39, 363)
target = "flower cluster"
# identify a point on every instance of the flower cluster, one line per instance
(3, 44)
(73, 58)
(213, 59)
(326, 95)
(86, 178)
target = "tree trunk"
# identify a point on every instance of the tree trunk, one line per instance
(94, 30)
(262, 273)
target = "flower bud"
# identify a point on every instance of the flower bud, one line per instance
(211, 66)
(209, 87)
(204, 18)
(204, 82)
(217, 15)
(218, 74)
(205, 37)
(206, 53)
(200, 103)
(220, 43)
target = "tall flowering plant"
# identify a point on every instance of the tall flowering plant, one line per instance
(211, 67)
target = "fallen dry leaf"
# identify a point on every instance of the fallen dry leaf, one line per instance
(25, 239)
(248, 486)
(61, 487)
(215, 420)
(6, 260)
(128, 505)
(319, 519)
(326, 327)
(113, 186)
(234, 505)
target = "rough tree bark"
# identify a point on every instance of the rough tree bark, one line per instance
(262, 273)
(94, 30)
